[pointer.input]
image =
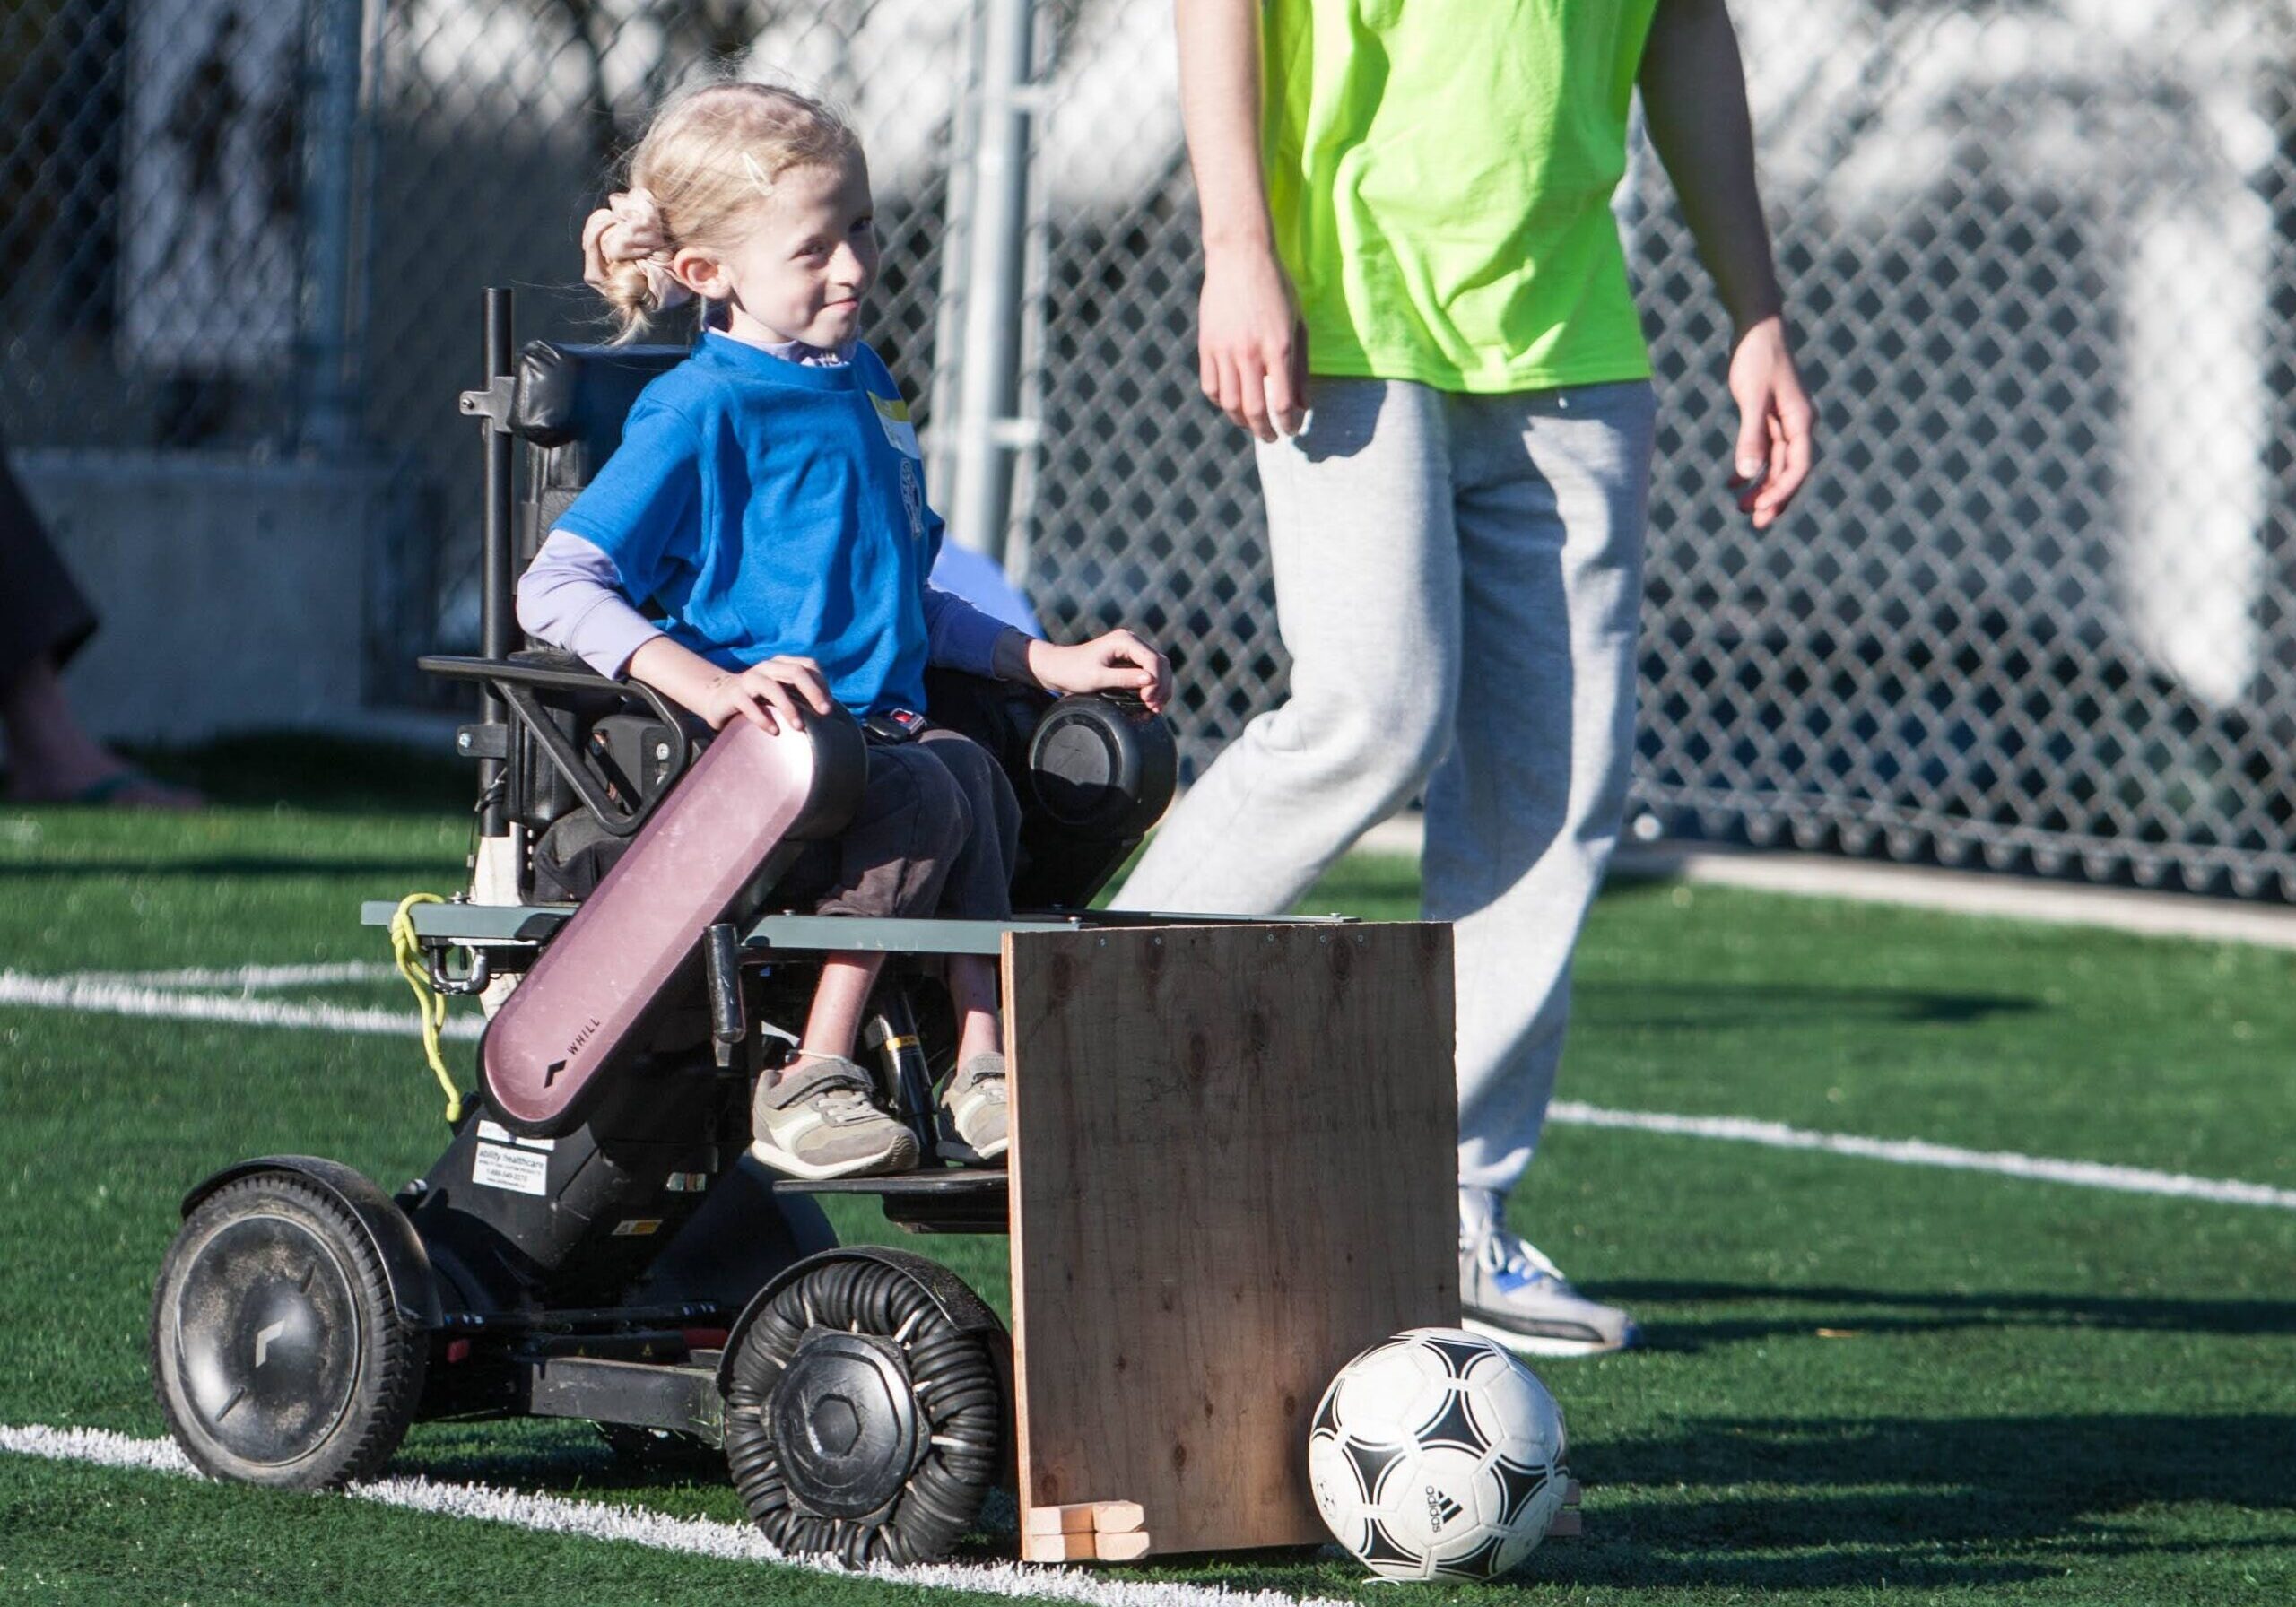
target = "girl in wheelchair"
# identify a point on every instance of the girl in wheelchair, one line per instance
(767, 510)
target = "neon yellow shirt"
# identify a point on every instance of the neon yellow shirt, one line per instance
(1439, 173)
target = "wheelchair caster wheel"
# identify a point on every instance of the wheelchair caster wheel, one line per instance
(276, 1352)
(866, 1410)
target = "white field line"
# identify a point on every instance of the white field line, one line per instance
(248, 978)
(698, 1537)
(1914, 1151)
(2146, 913)
(108, 996)
(104, 994)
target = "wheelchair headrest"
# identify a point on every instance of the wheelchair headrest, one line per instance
(569, 394)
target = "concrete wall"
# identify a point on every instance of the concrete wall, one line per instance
(234, 595)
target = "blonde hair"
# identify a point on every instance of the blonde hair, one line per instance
(710, 159)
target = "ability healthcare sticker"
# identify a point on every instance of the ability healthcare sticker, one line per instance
(522, 1171)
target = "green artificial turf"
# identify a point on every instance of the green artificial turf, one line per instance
(1862, 1382)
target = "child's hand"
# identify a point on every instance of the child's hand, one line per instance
(772, 695)
(1119, 662)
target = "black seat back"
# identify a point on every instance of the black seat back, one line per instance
(568, 406)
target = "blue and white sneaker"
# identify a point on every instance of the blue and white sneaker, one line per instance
(1511, 1293)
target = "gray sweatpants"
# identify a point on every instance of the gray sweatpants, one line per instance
(1458, 579)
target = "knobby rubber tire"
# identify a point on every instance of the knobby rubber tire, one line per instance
(958, 1388)
(389, 1369)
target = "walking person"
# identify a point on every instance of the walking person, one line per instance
(1415, 298)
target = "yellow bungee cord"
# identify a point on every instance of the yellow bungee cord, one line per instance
(406, 951)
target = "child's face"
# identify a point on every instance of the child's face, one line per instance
(801, 271)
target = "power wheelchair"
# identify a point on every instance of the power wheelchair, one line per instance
(595, 1242)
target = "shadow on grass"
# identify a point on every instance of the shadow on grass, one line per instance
(1870, 1311)
(326, 773)
(255, 866)
(1870, 1501)
(316, 772)
(572, 1459)
(1755, 1505)
(1719, 1006)
(1781, 1505)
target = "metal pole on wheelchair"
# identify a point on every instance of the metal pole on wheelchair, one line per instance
(497, 625)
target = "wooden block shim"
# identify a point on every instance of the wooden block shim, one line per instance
(1060, 1548)
(1123, 1547)
(1105, 1517)
(1085, 1545)
(1572, 1490)
(1233, 1167)
(1119, 1518)
(1074, 1519)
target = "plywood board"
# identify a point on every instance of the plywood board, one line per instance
(1232, 1168)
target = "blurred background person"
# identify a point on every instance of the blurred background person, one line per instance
(44, 620)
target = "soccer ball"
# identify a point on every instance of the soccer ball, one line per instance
(1437, 1456)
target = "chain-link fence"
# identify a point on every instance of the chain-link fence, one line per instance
(173, 238)
(261, 231)
(2031, 611)
(2041, 253)
(1145, 508)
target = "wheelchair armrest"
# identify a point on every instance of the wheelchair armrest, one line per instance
(1093, 773)
(1102, 766)
(542, 670)
(517, 681)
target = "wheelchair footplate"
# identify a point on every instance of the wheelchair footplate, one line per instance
(938, 1200)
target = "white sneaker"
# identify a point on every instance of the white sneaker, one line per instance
(1510, 1292)
(973, 1113)
(822, 1120)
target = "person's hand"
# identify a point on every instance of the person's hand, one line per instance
(1117, 662)
(1777, 427)
(628, 229)
(1251, 346)
(772, 695)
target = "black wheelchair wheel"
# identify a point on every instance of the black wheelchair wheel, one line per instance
(277, 1353)
(866, 1410)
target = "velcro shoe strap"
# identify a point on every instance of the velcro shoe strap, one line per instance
(818, 1076)
(979, 1069)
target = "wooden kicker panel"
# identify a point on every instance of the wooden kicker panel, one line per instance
(1233, 1161)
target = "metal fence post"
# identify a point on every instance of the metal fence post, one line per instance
(985, 428)
(327, 419)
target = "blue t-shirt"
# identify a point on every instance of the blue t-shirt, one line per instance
(759, 507)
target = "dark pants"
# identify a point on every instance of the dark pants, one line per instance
(43, 614)
(936, 833)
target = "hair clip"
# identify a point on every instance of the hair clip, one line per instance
(757, 174)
